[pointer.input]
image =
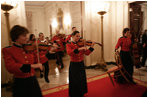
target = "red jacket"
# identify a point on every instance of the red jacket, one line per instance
(15, 58)
(42, 54)
(18, 62)
(68, 38)
(60, 42)
(75, 54)
(124, 43)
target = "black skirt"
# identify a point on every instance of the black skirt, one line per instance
(127, 61)
(128, 65)
(26, 87)
(77, 79)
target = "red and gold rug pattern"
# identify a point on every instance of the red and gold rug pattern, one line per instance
(101, 82)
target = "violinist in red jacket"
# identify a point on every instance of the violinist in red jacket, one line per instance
(43, 60)
(68, 39)
(77, 75)
(60, 51)
(22, 64)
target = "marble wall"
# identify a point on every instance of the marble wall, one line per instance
(37, 18)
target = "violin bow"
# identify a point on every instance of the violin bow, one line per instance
(37, 47)
(98, 44)
(84, 43)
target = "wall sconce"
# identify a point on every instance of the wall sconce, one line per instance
(7, 6)
(54, 23)
(67, 21)
(102, 9)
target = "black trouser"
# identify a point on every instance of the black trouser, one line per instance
(26, 87)
(46, 69)
(127, 63)
(59, 56)
(144, 56)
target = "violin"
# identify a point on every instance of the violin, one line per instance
(83, 42)
(29, 47)
(61, 35)
(41, 46)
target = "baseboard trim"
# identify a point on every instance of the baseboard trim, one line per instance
(111, 63)
(4, 85)
(99, 66)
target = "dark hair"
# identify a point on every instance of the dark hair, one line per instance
(74, 33)
(16, 31)
(40, 33)
(73, 28)
(31, 36)
(125, 30)
(145, 31)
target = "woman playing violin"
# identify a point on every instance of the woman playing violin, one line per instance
(77, 75)
(22, 64)
(68, 39)
(31, 38)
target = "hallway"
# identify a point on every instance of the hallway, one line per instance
(102, 22)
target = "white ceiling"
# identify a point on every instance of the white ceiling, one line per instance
(35, 3)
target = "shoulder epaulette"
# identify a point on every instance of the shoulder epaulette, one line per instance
(8, 46)
(68, 42)
(121, 37)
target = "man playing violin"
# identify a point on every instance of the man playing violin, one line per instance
(41, 37)
(42, 53)
(60, 51)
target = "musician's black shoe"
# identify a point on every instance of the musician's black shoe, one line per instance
(62, 67)
(57, 62)
(41, 75)
(133, 82)
(47, 80)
